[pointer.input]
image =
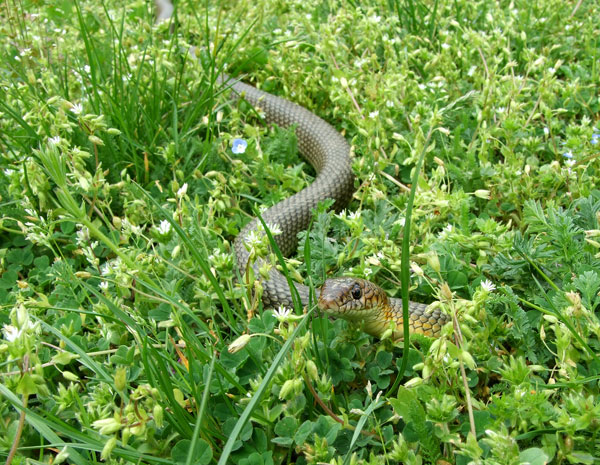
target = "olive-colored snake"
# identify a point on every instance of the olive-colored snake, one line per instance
(328, 152)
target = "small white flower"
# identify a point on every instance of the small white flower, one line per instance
(374, 114)
(87, 69)
(182, 190)
(355, 215)
(445, 46)
(83, 236)
(359, 62)
(103, 285)
(546, 131)
(282, 313)
(551, 70)
(77, 109)
(11, 333)
(369, 388)
(54, 141)
(164, 227)
(570, 163)
(368, 272)
(274, 228)
(106, 269)
(488, 286)
(253, 240)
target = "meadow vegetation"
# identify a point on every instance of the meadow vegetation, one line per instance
(126, 337)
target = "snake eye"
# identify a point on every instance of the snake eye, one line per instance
(356, 291)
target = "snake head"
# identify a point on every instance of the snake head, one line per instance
(352, 298)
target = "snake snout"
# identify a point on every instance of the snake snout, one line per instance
(350, 297)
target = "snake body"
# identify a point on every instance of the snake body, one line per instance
(328, 152)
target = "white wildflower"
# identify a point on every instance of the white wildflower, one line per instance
(282, 313)
(83, 236)
(274, 228)
(182, 190)
(488, 286)
(253, 240)
(11, 333)
(77, 109)
(54, 141)
(164, 228)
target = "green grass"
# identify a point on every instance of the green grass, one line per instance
(121, 197)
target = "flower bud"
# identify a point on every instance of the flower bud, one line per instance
(107, 425)
(446, 292)
(157, 413)
(95, 140)
(108, 448)
(286, 389)
(434, 262)
(70, 376)
(311, 370)
(121, 379)
(239, 343)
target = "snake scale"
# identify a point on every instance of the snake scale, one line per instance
(328, 152)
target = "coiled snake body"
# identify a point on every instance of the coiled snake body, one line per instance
(329, 153)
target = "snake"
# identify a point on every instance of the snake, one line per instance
(356, 300)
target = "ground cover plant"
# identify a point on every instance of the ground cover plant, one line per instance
(127, 173)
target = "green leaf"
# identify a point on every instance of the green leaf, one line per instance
(303, 432)
(578, 456)
(8, 280)
(327, 427)
(203, 454)
(286, 427)
(63, 358)
(384, 358)
(533, 456)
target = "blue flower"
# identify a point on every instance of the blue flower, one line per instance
(595, 138)
(239, 146)
(568, 154)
